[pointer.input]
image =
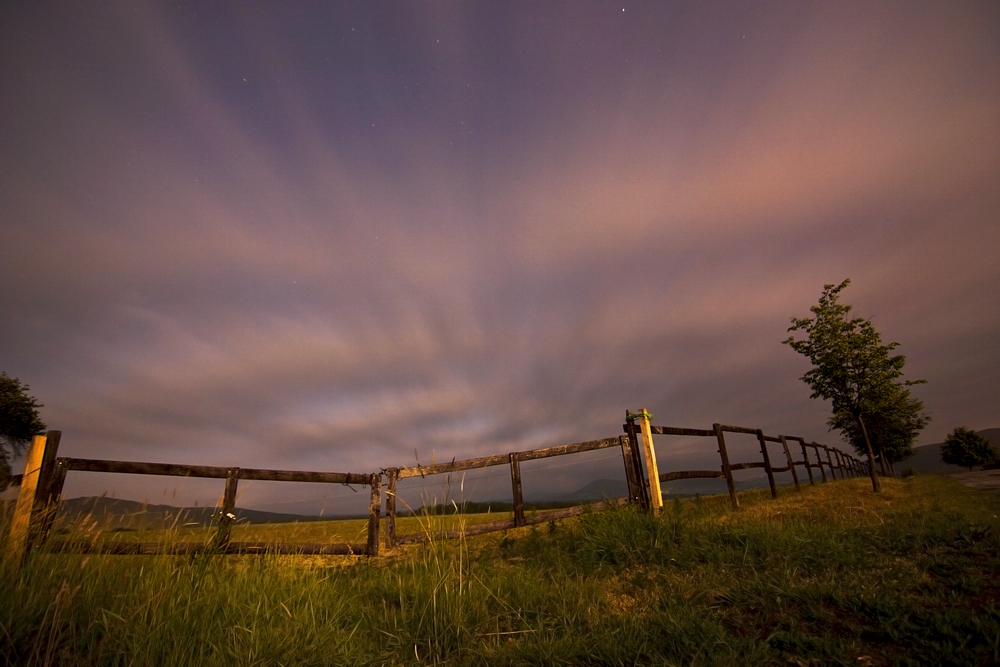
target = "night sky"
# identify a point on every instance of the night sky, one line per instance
(344, 236)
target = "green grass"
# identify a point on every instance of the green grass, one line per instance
(832, 575)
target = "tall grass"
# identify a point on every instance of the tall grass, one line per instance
(832, 575)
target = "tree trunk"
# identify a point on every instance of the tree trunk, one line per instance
(876, 487)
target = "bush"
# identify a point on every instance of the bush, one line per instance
(964, 447)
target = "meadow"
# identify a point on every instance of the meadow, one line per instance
(831, 575)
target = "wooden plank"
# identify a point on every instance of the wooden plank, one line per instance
(19, 542)
(782, 469)
(390, 506)
(771, 438)
(746, 466)
(791, 463)
(515, 483)
(305, 476)
(631, 474)
(214, 472)
(739, 429)
(829, 461)
(652, 472)
(805, 458)
(819, 461)
(767, 463)
(221, 538)
(726, 468)
(374, 510)
(690, 474)
(140, 468)
(637, 459)
(49, 505)
(674, 430)
(454, 466)
(562, 450)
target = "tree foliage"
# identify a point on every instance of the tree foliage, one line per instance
(19, 420)
(861, 377)
(964, 447)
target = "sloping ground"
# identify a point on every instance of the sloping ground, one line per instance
(831, 575)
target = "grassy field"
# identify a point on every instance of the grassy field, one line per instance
(832, 575)
(306, 532)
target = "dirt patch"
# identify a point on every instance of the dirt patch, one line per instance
(979, 479)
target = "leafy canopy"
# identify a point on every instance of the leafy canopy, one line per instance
(860, 375)
(964, 447)
(19, 420)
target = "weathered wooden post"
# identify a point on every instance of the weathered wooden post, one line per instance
(221, 540)
(374, 510)
(642, 481)
(726, 470)
(829, 462)
(631, 475)
(805, 460)
(652, 472)
(791, 463)
(391, 477)
(33, 495)
(819, 460)
(515, 487)
(767, 463)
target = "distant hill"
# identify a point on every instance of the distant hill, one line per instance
(926, 459)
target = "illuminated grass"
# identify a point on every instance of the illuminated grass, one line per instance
(832, 575)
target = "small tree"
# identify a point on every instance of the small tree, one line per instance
(860, 376)
(964, 447)
(19, 421)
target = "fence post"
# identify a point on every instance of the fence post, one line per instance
(50, 502)
(221, 540)
(515, 483)
(31, 495)
(631, 475)
(791, 463)
(767, 463)
(652, 472)
(391, 476)
(805, 458)
(726, 470)
(633, 437)
(819, 460)
(374, 510)
(829, 461)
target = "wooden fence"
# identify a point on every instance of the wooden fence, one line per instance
(514, 460)
(647, 490)
(42, 483)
